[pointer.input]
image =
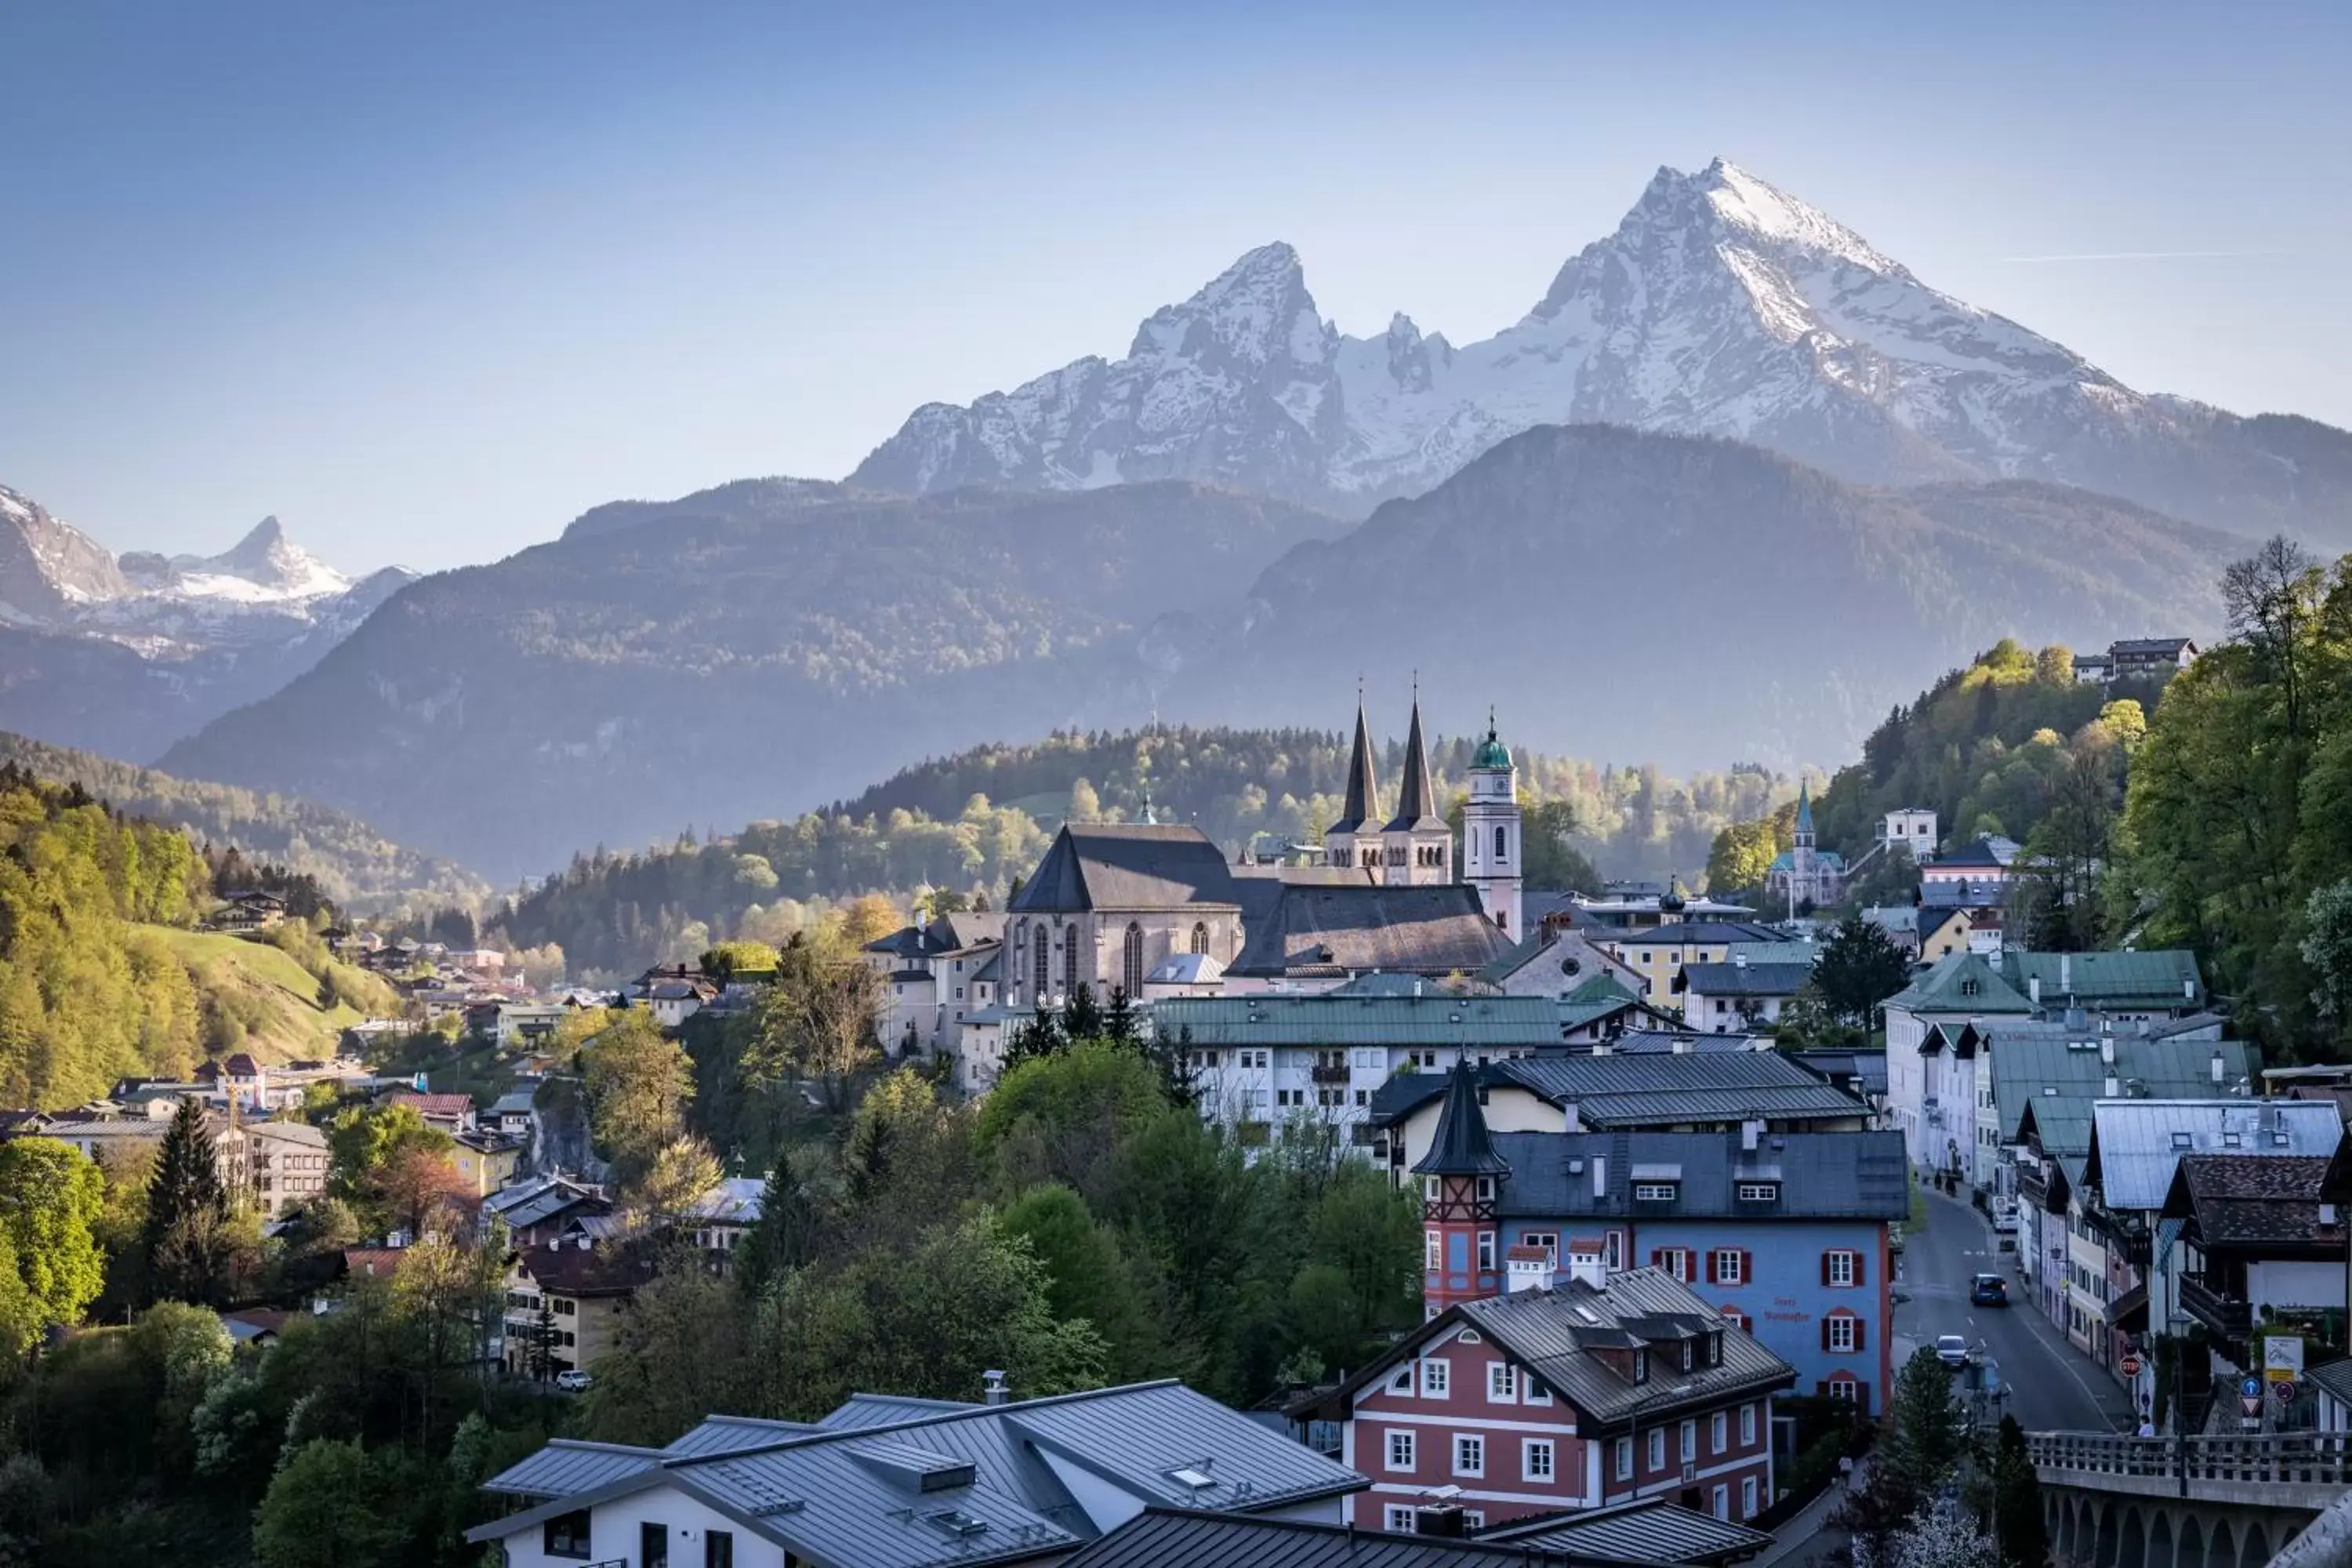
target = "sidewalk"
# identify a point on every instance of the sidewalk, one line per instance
(1810, 1535)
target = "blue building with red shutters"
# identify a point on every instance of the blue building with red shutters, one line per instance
(1785, 1234)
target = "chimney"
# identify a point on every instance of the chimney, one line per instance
(992, 1388)
(1601, 1175)
(1587, 1269)
(2066, 972)
(2189, 990)
(2217, 1067)
(2108, 1049)
(1749, 1132)
(1527, 1269)
(2033, 989)
(1440, 1518)
(2114, 1090)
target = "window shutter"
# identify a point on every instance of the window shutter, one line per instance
(1657, 1257)
(1858, 1257)
(1821, 1388)
(1825, 1268)
(1710, 1266)
(1747, 1266)
(1858, 1336)
(1862, 1396)
(1825, 1334)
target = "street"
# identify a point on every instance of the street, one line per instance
(2050, 1387)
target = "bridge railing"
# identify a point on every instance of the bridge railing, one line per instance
(2289, 1460)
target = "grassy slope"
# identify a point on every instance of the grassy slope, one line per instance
(295, 1027)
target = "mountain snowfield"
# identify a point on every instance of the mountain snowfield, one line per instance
(124, 656)
(1720, 306)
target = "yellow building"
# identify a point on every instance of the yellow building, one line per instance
(485, 1160)
(1657, 953)
(564, 1301)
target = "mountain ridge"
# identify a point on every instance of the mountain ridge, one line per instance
(1720, 305)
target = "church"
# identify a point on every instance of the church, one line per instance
(1805, 874)
(1114, 905)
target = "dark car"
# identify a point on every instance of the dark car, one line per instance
(1989, 1290)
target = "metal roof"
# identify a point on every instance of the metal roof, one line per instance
(1461, 1146)
(1651, 1530)
(1659, 1089)
(2137, 1144)
(1438, 1018)
(1188, 1538)
(1330, 929)
(727, 1434)
(1818, 1175)
(2162, 977)
(2049, 1061)
(1944, 987)
(567, 1467)
(1128, 866)
(843, 1495)
(1747, 978)
(864, 1410)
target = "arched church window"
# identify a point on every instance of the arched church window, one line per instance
(1070, 963)
(1039, 970)
(1200, 936)
(1500, 842)
(1131, 972)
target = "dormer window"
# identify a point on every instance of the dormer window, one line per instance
(1711, 1349)
(1759, 1192)
(1654, 1192)
(1969, 987)
(1485, 1189)
(1641, 1366)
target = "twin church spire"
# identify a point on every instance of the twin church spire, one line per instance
(1416, 848)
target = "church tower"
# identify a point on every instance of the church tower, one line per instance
(1802, 869)
(1460, 1177)
(1493, 850)
(1417, 848)
(1352, 840)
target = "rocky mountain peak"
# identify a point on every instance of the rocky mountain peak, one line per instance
(1255, 313)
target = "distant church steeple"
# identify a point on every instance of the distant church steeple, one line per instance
(1340, 840)
(1492, 841)
(1418, 847)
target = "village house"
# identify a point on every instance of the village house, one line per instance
(450, 1114)
(2263, 1248)
(928, 972)
(485, 1159)
(1739, 994)
(286, 1162)
(249, 911)
(909, 1480)
(1657, 953)
(538, 1210)
(564, 1300)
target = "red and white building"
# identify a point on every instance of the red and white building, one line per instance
(1565, 1396)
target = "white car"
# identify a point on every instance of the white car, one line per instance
(1952, 1349)
(574, 1382)
(2004, 1216)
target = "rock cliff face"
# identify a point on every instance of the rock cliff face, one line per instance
(1720, 306)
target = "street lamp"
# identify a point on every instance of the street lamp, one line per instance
(2176, 1323)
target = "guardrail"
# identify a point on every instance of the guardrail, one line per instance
(2287, 1469)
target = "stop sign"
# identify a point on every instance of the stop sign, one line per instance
(2131, 1366)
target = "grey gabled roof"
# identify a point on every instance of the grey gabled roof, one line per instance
(2157, 978)
(1651, 1530)
(2137, 1144)
(1745, 979)
(1326, 930)
(567, 1467)
(846, 1495)
(1961, 982)
(1816, 1175)
(1193, 1538)
(1437, 1018)
(1646, 1089)
(860, 1411)
(1128, 866)
(728, 1434)
(2061, 1069)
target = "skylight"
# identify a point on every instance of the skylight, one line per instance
(1199, 1481)
(955, 1523)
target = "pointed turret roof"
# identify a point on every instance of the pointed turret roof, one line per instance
(1363, 790)
(1804, 807)
(1417, 801)
(1462, 1147)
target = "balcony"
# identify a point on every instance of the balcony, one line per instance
(2231, 1316)
(1321, 1073)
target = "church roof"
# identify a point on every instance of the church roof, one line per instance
(1492, 753)
(1309, 928)
(1462, 1146)
(1363, 790)
(1804, 808)
(1417, 801)
(1128, 866)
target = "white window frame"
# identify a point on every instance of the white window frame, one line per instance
(1747, 1426)
(1433, 1252)
(1463, 1442)
(1436, 1378)
(1689, 1440)
(1722, 1500)
(1748, 1497)
(1501, 1383)
(1843, 1261)
(1625, 1459)
(1487, 1250)
(1657, 1448)
(1400, 1436)
(1759, 1192)
(1736, 1273)
(1533, 1450)
(1654, 1192)
(1718, 1432)
(1852, 1394)
(1400, 1518)
(1534, 1390)
(1400, 1381)
(1843, 1327)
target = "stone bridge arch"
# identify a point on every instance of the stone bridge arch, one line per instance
(2253, 1546)
(2131, 1551)
(2159, 1539)
(2221, 1546)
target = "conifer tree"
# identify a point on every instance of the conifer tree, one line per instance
(185, 1204)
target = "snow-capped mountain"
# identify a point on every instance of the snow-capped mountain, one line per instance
(125, 656)
(1720, 306)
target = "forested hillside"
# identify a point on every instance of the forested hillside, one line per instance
(357, 867)
(972, 822)
(100, 974)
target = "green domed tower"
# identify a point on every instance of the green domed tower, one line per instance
(1493, 850)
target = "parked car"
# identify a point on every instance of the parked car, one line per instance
(574, 1382)
(2004, 1216)
(1952, 1349)
(1988, 1291)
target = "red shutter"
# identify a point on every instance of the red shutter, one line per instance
(1657, 1257)
(1859, 1336)
(1747, 1266)
(1825, 1268)
(1710, 1266)
(1858, 1279)
(1825, 1334)
(1821, 1389)
(1862, 1396)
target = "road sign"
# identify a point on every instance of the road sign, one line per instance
(2131, 1366)
(2283, 1357)
(2251, 1389)
(2284, 1390)
(2251, 1409)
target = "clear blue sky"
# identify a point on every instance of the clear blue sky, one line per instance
(428, 280)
